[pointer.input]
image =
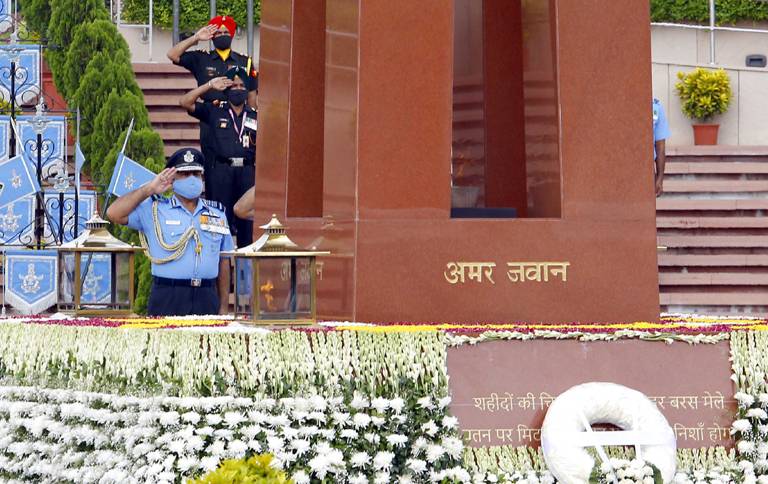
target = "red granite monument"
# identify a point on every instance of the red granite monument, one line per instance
(463, 160)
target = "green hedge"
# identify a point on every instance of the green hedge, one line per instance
(697, 11)
(193, 14)
(91, 67)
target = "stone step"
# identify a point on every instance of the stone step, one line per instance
(180, 134)
(175, 116)
(157, 68)
(713, 279)
(715, 167)
(180, 83)
(719, 186)
(708, 298)
(712, 241)
(713, 260)
(688, 204)
(677, 222)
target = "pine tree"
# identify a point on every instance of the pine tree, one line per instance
(65, 16)
(37, 15)
(103, 75)
(113, 118)
(90, 38)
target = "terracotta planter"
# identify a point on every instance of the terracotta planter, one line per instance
(705, 134)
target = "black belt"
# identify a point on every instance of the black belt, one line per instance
(164, 281)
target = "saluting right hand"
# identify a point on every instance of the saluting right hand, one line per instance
(206, 33)
(162, 182)
(220, 83)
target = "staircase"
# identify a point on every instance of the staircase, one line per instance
(163, 85)
(712, 220)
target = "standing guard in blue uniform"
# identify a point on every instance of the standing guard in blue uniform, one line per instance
(660, 135)
(183, 235)
(234, 128)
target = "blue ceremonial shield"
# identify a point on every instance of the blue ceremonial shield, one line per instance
(16, 227)
(5, 136)
(128, 176)
(53, 142)
(30, 279)
(27, 83)
(17, 180)
(86, 203)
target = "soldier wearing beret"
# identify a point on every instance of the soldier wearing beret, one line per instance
(206, 65)
(234, 127)
(184, 236)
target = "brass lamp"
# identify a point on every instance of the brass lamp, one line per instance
(275, 280)
(96, 273)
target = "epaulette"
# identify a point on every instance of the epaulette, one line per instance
(160, 198)
(213, 204)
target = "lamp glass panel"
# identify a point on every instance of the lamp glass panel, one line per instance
(243, 283)
(66, 277)
(123, 279)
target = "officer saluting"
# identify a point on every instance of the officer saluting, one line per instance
(184, 236)
(234, 127)
(206, 65)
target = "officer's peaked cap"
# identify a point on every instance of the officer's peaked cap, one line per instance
(186, 159)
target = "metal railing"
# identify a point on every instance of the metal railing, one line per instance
(712, 28)
(148, 27)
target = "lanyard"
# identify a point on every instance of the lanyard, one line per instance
(234, 124)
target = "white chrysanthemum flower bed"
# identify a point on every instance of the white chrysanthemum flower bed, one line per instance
(93, 437)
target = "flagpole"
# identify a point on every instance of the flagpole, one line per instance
(107, 196)
(5, 268)
(76, 225)
(77, 143)
(18, 138)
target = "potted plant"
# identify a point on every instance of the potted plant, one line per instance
(704, 93)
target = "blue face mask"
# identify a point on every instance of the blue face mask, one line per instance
(190, 187)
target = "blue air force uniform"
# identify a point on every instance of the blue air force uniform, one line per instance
(208, 219)
(184, 281)
(660, 124)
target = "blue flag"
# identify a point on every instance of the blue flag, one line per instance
(79, 161)
(16, 180)
(16, 221)
(128, 176)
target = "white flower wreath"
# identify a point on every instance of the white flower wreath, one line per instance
(563, 436)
